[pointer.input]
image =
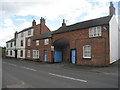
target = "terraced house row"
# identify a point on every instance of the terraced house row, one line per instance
(93, 42)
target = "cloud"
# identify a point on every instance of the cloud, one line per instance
(8, 22)
(71, 10)
(21, 19)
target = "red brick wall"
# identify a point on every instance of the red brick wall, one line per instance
(79, 38)
(47, 48)
(37, 31)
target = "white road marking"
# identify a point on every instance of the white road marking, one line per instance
(29, 69)
(12, 64)
(68, 77)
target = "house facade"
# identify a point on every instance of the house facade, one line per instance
(34, 47)
(10, 48)
(93, 42)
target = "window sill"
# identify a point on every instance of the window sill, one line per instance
(87, 58)
(96, 37)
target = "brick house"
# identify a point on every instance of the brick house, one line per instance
(93, 42)
(33, 48)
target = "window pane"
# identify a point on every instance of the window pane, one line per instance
(95, 31)
(87, 51)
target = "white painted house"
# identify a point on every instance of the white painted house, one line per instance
(114, 39)
(16, 47)
(10, 47)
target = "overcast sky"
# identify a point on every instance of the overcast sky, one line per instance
(16, 15)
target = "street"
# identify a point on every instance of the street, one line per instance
(29, 74)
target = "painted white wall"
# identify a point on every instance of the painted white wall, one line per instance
(18, 53)
(113, 38)
(9, 48)
(18, 42)
(13, 53)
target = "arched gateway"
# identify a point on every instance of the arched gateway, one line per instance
(61, 49)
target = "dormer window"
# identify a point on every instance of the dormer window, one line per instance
(95, 31)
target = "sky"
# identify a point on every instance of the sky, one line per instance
(16, 15)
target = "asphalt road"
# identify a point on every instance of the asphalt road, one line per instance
(29, 74)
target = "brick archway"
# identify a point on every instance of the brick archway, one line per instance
(62, 48)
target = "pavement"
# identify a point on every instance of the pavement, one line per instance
(29, 74)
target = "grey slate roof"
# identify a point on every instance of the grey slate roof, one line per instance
(85, 24)
(25, 29)
(43, 36)
(11, 40)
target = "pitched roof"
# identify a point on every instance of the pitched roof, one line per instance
(26, 29)
(84, 24)
(11, 40)
(43, 36)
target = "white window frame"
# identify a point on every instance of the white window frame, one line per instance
(29, 32)
(46, 41)
(28, 53)
(21, 43)
(7, 45)
(95, 31)
(29, 42)
(22, 34)
(36, 54)
(88, 51)
(37, 42)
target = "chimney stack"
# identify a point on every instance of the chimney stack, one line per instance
(42, 21)
(111, 9)
(33, 23)
(15, 36)
(63, 24)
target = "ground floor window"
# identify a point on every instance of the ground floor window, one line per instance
(7, 52)
(35, 53)
(87, 51)
(21, 53)
(28, 53)
(11, 52)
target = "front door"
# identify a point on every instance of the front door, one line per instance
(15, 53)
(58, 56)
(73, 56)
(45, 55)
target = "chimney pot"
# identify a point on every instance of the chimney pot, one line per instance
(33, 23)
(111, 9)
(63, 24)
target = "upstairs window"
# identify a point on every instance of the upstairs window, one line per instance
(95, 31)
(29, 32)
(22, 34)
(46, 41)
(11, 44)
(7, 45)
(37, 42)
(29, 42)
(21, 42)
(87, 51)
